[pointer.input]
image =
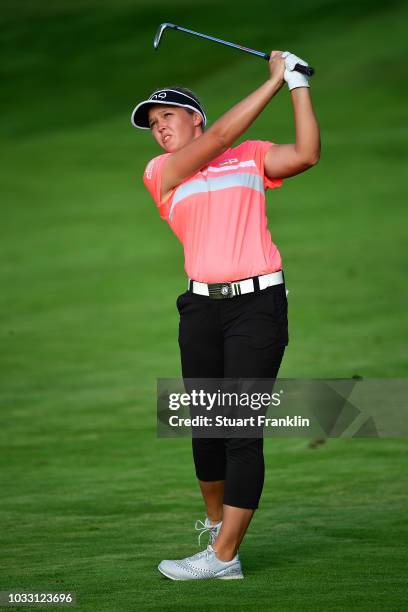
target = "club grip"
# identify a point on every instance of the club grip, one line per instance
(307, 70)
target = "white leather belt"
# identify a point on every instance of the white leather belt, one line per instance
(221, 291)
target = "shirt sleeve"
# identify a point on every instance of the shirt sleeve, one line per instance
(152, 180)
(259, 150)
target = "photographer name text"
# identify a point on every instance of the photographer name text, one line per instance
(252, 421)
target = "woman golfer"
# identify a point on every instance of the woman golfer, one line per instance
(233, 317)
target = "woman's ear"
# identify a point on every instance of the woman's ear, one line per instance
(198, 120)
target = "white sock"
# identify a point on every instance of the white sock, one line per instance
(212, 522)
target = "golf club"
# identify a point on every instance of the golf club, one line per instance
(307, 70)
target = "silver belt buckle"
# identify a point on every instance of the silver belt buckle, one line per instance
(219, 291)
(226, 290)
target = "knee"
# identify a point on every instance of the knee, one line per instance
(245, 449)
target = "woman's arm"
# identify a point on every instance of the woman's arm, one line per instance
(223, 133)
(289, 159)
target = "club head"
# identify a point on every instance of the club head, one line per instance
(159, 33)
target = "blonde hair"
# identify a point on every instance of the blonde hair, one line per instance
(188, 92)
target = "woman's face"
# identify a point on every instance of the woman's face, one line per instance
(173, 127)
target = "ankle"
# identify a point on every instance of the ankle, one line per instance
(224, 553)
(214, 519)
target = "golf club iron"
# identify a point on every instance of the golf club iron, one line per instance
(307, 70)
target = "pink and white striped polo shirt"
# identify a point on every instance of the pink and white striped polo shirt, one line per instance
(219, 215)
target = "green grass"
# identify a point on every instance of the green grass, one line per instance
(91, 500)
(88, 514)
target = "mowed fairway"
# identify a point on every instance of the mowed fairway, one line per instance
(90, 499)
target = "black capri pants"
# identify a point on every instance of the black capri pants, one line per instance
(240, 337)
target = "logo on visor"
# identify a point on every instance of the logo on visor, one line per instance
(161, 95)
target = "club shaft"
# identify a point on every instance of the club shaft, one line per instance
(224, 42)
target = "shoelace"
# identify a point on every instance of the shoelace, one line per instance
(205, 553)
(203, 528)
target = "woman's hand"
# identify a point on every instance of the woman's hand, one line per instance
(277, 66)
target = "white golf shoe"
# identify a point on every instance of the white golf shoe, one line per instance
(208, 527)
(203, 565)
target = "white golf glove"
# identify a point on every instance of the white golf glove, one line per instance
(292, 77)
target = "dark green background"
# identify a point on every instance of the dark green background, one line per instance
(90, 500)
